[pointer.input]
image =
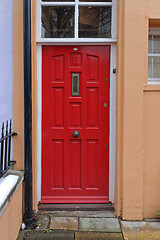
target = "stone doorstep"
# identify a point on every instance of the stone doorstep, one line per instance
(101, 214)
(78, 207)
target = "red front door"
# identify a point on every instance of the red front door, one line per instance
(75, 97)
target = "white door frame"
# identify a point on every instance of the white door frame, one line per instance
(79, 41)
(112, 125)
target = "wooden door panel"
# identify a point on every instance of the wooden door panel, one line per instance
(75, 164)
(57, 167)
(58, 65)
(93, 68)
(75, 115)
(58, 107)
(92, 164)
(75, 59)
(75, 169)
(92, 107)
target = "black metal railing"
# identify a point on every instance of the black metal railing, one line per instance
(5, 148)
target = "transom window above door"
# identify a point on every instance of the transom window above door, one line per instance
(79, 19)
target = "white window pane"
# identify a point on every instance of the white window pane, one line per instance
(149, 67)
(154, 67)
(154, 44)
(95, 22)
(149, 45)
(57, 22)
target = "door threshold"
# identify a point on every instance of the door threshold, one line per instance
(76, 207)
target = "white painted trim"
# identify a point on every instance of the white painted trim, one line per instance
(153, 81)
(109, 4)
(46, 4)
(112, 118)
(112, 125)
(98, 4)
(75, 41)
(39, 119)
(38, 18)
(76, 17)
(80, 41)
(153, 54)
(113, 26)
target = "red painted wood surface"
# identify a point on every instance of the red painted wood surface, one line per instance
(75, 170)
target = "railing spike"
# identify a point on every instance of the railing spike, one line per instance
(6, 127)
(2, 129)
(10, 128)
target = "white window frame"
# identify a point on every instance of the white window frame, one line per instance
(79, 41)
(75, 39)
(154, 81)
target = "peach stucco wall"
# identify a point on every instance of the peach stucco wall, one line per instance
(11, 218)
(19, 92)
(18, 85)
(138, 129)
(131, 50)
(151, 152)
(137, 109)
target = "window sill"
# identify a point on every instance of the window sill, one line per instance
(151, 87)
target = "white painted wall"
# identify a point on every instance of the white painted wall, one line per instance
(6, 60)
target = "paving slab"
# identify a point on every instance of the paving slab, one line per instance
(104, 214)
(40, 235)
(42, 222)
(98, 236)
(65, 223)
(140, 230)
(99, 224)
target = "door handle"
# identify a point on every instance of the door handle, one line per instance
(75, 134)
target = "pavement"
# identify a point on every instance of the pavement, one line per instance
(89, 225)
